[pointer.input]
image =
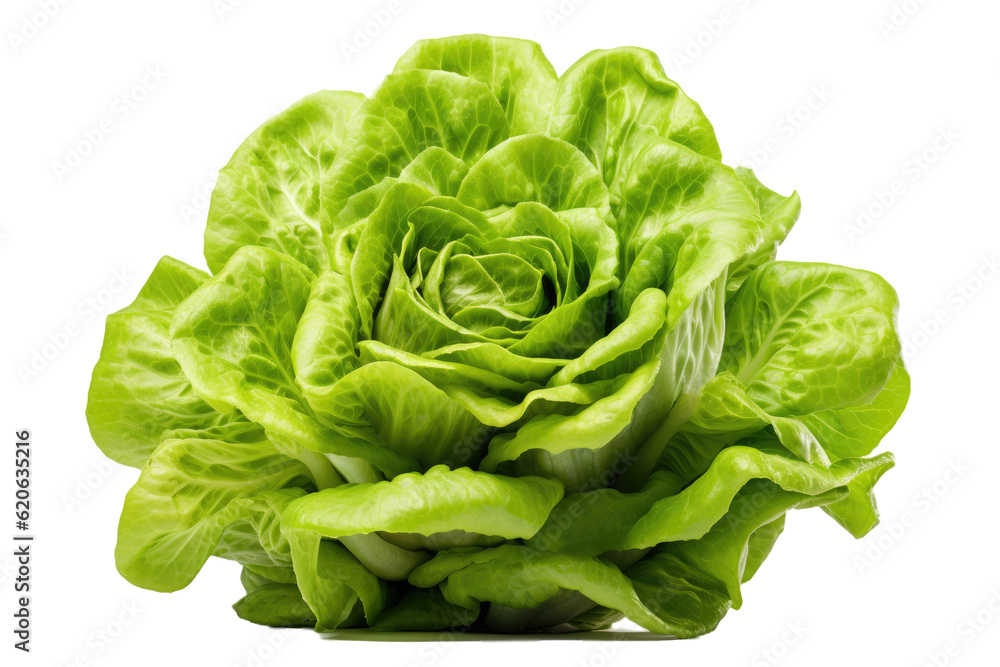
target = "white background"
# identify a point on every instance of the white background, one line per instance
(881, 93)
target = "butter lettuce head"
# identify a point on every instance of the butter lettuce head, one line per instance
(496, 348)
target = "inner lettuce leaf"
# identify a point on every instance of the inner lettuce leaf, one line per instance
(498, 349)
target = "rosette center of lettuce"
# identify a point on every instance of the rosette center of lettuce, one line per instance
(500, 289)
(442, 273)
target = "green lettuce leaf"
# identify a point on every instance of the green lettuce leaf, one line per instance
(277, 605)
(270, 192)
(189, 492)
(660, 513)
(138, 390)
(516, 71)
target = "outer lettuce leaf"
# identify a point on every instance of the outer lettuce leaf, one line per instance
(596, 618)
(761, 543)
(534, 168)
(405, 411)
(257, 542)
(323, 350)
(857, 431)
(333, 582)
(691, 585)
(253, 580)
(722, 552)
(438, 501)
(683, 220)
(424, 610)
(683, 589)
(443, 505)
(579, 514)
(663, 522)
(610, 102)
(234, 339)
(658, 513)
(857, 512)
(520, 577)
(138, 390)
(189, 492)
(277, 605)
(778, 214)
(800, 335)
(269, 193)
(809, 349)
(516, 71)
(725, 412)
